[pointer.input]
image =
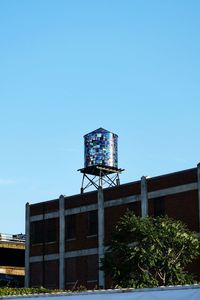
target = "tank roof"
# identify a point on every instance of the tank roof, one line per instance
(100, 130)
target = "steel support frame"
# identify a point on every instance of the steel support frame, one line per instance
(101, 180)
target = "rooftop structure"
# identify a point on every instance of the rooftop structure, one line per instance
(100, 160)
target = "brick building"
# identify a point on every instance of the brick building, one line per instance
(65, 236)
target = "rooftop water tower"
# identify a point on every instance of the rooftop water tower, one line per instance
(101, 160)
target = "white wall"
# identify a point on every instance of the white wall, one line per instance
(169, 293)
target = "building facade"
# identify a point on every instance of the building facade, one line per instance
(66, 237)
(12, 260)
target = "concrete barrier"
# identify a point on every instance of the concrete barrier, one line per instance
(191, 292)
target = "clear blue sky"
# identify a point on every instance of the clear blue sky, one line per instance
(68, 67)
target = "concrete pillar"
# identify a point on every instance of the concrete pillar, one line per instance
(62, 242)
(27, 247)
(144, 197)
(101, 235)
(198, 184)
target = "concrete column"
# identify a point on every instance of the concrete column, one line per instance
(101, 235)
(144, 197)
(62, 242)
(198, 184)
(27, 247)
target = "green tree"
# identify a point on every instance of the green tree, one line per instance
(147, 252)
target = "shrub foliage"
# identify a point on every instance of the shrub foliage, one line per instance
(147, 252)
(9, 291)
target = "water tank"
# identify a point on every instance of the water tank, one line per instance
(101, 148)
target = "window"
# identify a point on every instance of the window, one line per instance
(36, 232)
(51, 230)
(70, 227)
(135, 207)
(92, 268)
(44, 231)
(159, 206)
(51, 278)
(92, 222)
(70, 271)
(36, 274)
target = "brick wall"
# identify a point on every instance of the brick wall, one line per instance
(83, 269)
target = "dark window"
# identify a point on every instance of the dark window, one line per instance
(70, 227)
(51, 274)
(36, 274)
(36, 232)
(44, 231)
(135, 208)
(51, 230)
(92, 222)
(159, 206)
(92, 268)
(71, 271)
(131, 207)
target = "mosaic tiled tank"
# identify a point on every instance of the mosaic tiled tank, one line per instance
(101, 148)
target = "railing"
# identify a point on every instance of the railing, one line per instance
(20, 238)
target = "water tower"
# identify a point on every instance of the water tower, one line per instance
(101, 160)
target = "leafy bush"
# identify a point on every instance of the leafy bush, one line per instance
(7, 291)
(149, 252)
